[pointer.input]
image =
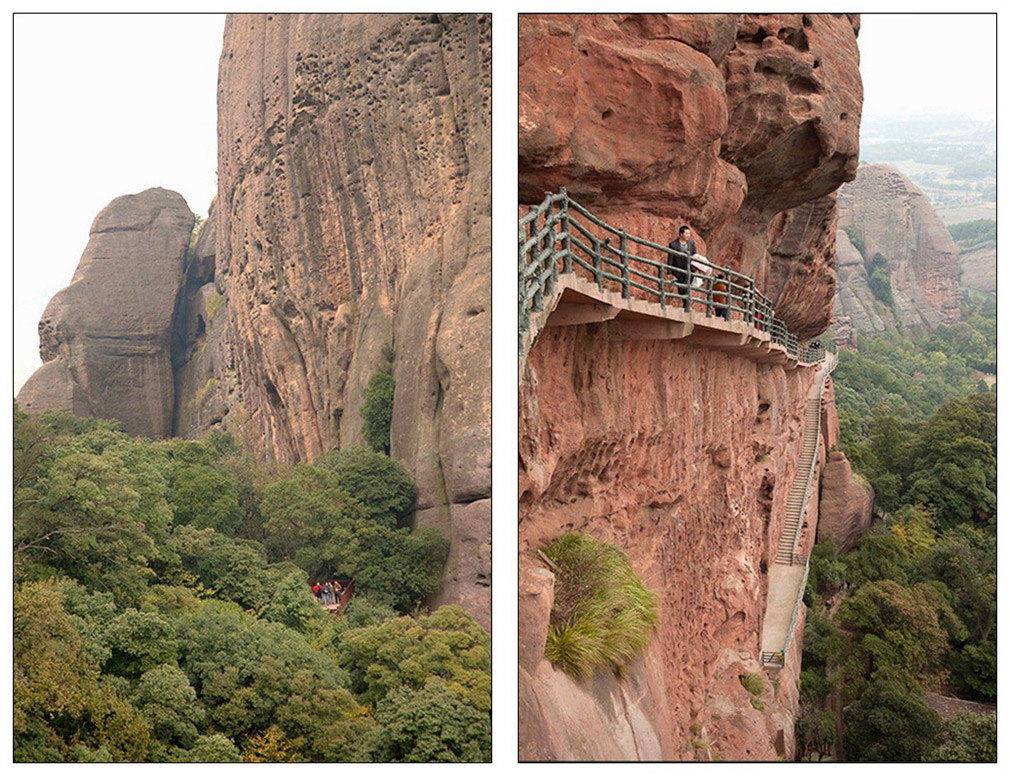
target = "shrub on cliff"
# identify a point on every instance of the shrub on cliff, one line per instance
(377, 410)
(602, 614)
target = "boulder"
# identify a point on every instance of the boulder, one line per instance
(105, 339)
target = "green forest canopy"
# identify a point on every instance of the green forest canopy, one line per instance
(162, 611)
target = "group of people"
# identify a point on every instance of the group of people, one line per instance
(327, 593)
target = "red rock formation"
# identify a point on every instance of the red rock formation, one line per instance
(897, 221)
(354, 214)
(105, 340)
(741, 127)
(721, 122)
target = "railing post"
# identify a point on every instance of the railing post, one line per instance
(749, 304)
(538, 288)
(596, 263)
(662, 288)
(690, 285)
(709, 300)
(625, 271)
(524, 310)
(566, 242)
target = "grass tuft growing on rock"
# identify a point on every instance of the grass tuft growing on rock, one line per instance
(602, 614)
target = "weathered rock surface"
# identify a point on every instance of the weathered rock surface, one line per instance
(105, 339)
(978, 268)
(897, 221)
(354, 214)
(683, 457)
(846, 505)
(722, 122)
(854, 301)
(741, 127)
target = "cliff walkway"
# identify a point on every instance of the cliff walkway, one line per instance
(787, 577)
(575, 268)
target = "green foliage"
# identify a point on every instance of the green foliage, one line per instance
(151, 625)
(879, 271)
(968, 738)
(970, 234)
(378, 482)
(204, 497)
(855, 234)
(214, 748)
(815, 732)
(294, 606)
(448, 644)
(138, 642)
(430, 724)
(602, 613)
(377, 411)
(166, 700)
(62, 711)
(890, 723)
(904, 630)
(753, 683)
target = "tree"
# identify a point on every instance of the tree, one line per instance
(79, 517)
(138, 642)
(62, 711)
(968, 737)
(377, 481)
(448, 644)
(890, 723)
(214, 748)
(166, 700)
(431, 724)
(205, 498)
(904, 630)
(377, 411)
(293, 604)
(251, 674)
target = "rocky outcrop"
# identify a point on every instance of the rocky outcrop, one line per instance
(895, 219)
(353, 220)
(978, 268)
(741, 127)
(854, 302)
(726, 123)
(846, 504)
(353, 216)
(683, 457)
(105, 340)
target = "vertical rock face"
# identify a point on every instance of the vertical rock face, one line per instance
(742, 127)
(726, 123)
(105, 339)
(896, 220)
(354, 214)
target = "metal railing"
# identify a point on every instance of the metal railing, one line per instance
(559, 236)
(795, 557)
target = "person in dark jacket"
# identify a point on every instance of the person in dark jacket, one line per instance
(682, 249)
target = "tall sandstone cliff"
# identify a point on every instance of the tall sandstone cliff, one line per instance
(741, 127)
(352, 216)
(894, 218)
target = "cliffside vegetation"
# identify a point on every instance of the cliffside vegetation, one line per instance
(602, 615)
(915, 601)
(162, 611)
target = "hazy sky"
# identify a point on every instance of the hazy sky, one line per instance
(928, 64)
(106, 105)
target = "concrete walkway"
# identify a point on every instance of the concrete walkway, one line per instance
(783, 588)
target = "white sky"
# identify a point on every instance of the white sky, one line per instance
(106, 105)
(928, 64)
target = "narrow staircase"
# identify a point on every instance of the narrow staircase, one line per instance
(796, 500)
